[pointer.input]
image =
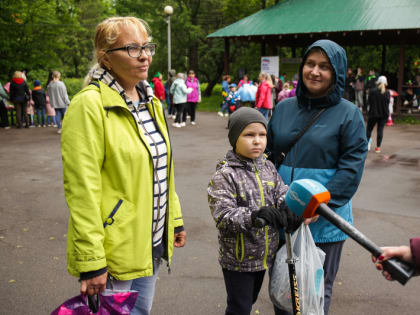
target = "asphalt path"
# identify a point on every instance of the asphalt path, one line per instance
(33, 226)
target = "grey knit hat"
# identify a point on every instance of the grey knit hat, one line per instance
(241, 118)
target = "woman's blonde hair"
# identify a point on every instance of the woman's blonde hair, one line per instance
(107, 33)
(18, 75)
(267, 78)
(56, 74)
(382, 82)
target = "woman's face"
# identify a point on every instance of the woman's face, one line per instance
(191, 74)
(317, 74)
(128, 71)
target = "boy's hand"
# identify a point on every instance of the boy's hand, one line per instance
(278, 218)
(271, 216)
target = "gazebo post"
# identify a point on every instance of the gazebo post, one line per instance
(226, 55)
(383, 59)
(400, 77)
(263, 51)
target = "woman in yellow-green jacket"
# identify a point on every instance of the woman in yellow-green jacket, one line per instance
(118, 171)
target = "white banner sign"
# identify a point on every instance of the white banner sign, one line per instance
(270, 65)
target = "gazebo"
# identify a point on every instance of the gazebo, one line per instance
(298, 23)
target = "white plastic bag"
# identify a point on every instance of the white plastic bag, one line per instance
(309, 273)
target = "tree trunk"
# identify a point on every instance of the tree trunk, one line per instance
(213, 81)
(210, 86)
(193, 57)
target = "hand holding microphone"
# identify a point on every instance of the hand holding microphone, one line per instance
(307, 198)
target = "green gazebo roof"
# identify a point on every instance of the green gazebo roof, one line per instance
(329, 16)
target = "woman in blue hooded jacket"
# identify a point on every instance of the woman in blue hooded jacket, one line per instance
(332, 151)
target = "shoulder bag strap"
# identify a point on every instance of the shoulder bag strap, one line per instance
(301, 133)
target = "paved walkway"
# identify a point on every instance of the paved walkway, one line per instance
(33, 276)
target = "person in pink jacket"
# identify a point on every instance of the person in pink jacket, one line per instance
(263, 100)
(284, 93)
(194, 97)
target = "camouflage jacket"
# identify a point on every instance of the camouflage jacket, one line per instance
(239, 187)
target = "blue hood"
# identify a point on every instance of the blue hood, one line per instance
(338, 59)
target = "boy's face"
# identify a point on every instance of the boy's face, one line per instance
(233, 89)
(252, 141)
(317, 74)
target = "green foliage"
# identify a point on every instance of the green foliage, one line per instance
(407, 120)
(44, 35)
(210, 103)
(38, 74)
(73, 85)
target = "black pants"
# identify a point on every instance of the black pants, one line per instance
(192, 107)
(379, 130)
(20, 108)
(4, 119)
(242, 290)
(179, 112)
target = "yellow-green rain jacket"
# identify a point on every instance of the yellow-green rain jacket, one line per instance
(108, 177)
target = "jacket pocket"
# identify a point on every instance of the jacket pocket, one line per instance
(110, 220)
(119, 214)
(122, 235)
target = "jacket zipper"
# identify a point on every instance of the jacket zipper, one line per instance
(260, 186)
(240, 244)
(165, 254)
(155, 174)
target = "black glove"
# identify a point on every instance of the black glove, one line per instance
(293, 221)
(272, 216)
(278, 218)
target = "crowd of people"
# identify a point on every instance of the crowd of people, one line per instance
(36, 107)
(262, 94)
(182, 94)
(359, 85)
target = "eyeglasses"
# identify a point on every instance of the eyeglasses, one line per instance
(135, 51)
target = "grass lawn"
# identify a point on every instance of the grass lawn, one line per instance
(407, 120)
(212, 103)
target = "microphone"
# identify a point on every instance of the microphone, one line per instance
(307, 198)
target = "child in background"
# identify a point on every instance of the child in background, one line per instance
(284, 93)
(30, 111)
(233, 98)
(247, 186)
(225, 91)
(39, 98)
(50, 111)
(158, 89)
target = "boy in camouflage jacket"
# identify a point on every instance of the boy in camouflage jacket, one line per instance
(245, 186)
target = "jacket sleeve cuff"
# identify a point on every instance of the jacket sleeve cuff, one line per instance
(415, 251)
(92, 274)
(179, 229)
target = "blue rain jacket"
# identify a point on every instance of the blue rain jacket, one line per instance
(332, 151)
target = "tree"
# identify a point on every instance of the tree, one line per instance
(28, 37)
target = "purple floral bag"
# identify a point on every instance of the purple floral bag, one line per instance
(111, 302)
